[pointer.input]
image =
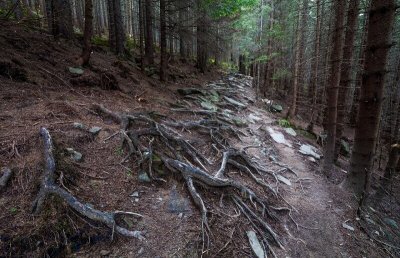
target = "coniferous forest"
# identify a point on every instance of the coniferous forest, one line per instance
(200, 128)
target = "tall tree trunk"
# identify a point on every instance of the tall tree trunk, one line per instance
(116, 28)
(141, 34)
(333, 88)
(60, 14)
(359, 73)
(111, 26)
(149, 48)
(314, 69)
(381, 17)
(87, 34)
(119, 29)
(346, 73)
(163, 41)
(202, 51)
(293, 107)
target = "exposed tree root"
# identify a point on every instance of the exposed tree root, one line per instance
(180, 156)
(48, 186)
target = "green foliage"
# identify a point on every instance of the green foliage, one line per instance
(228, 67)
(100, 41)
(227, 8)
(131, 44)
(284, 123)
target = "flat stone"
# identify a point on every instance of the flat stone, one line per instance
(253, 118)
(290, 131)
(255, 244)
(75, 155)
(278, 137)
(391, 223)
(208, 105)
(309, 151)
(78, 125)
(234, 102)
(95, 130)
(104, 252)
(75, 70)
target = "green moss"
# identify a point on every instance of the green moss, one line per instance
(284, 123)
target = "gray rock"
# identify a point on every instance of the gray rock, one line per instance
(141, 250)
(75, 70)
(95, 130)
(208, 105)
(278, 137)
(78, 125)
(75, 155)
(255, 244)
(135, 194)
(309, 151)
(143, 177)
(290, 131)
(104, 252)
(234, 102)
(391, 223)
(276, 108)
(253, 118)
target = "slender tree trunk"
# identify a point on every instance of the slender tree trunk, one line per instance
(141, 35)
(361, 63)
(87, 34)
(381, 17)
(315, 66)
(333, 88)
(346, 72)
(202, 52)
(149, 48)
(111, 27)
(293, 107)
(163, 41)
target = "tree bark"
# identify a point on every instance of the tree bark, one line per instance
(149, 48)
(59, 15)
(163, 42)
(293, 107)
(381, 17)
(333, 87)
(202, 52)
(346, 73)
(87, 34)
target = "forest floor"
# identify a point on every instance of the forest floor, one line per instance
(37, 89)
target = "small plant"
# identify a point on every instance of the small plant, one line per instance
(119, 151)
(284, 123)
(13, 210)
(100, 41)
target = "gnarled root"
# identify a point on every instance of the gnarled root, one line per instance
(48, 186)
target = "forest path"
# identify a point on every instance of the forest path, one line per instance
(316, 204)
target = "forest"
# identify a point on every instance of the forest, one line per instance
(200, 128)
